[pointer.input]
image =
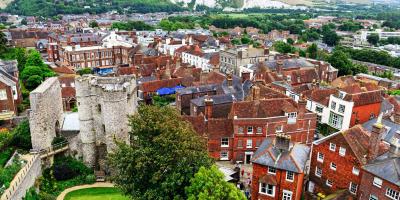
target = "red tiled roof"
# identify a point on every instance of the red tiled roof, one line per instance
(263, 108)
(365, 98)
(320, 95)
(153, 86)
(63, 70)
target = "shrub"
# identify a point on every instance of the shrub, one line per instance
(91, 178)
(22, 136)
(66, 168)
(58, 140)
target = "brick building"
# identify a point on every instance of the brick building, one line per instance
(337, 160)
(10, 94)
(278, 169)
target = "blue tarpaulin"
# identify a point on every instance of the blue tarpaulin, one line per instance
(168, 91)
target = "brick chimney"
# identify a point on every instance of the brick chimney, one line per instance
(229, 79)
(208, 106)
(255, 93)
(302, 104)
(279, 66)
(375, 138)
(282, 142)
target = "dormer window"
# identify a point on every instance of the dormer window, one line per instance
(288, 78)
(341, 95)
(292, 115)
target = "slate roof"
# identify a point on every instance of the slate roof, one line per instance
(197, 89)
(385, 167)
(217, 99)
(390, 126)
(293, 160)
(289, 63)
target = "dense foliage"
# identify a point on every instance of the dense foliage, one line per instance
(209, 184)
(341, 61)
(164, 154)
(131, 25)
(372, 56)
(48, 8)
(7, 173)
(64, 173)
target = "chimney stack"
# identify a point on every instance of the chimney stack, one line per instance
(255, 92)
(279, 66)
(302, 104)
(208, 106)
(375, 138)
(229, 79)
(282, 142)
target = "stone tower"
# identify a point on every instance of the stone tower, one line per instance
(46, 113)
(104, 104)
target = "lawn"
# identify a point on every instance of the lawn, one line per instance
(96, 194)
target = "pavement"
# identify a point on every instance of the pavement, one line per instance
(99, 184)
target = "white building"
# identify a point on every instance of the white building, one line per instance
(382, 34)
(200, 59)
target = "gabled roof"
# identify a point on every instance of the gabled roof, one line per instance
(293, 160)
(385, 167)
(320, 95)
(263, 108)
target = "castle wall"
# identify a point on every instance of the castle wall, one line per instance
(46, 113)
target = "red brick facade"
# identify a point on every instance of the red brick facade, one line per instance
(367, 189)
(295, 186)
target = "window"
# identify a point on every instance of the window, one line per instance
(318, 172)
(333, 105)
(267, 189)
(292, 115)
(333, 166)
(341, 95)
(240, 143)
(289, 176)
(240, 130)
(3, 94)
(319, 118)
(335, 120)
(342, 151)
(259, 130)
(393, 194)
(373, 197)
(377, 182)
(318, 109)
(341, 108)
(279, 129)
(250, 130)
(356, 171)
(249, 144)
(271, 170)
(332, 146)
(224, 155)
(287, 195)
(224, 142)
(258, 143)
(329, 183)
(320, 157)
(98, 108)
(353, 188)
(63, 85)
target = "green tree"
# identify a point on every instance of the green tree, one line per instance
(312, 51)
(290, 41)
(22, 136)
(342, 62)
(162, 157)
(93, 24)
(33, 82)
(330, 38)
(34, 59)
(3, 43)
(245, 40)
(24, 22)
(209, 184)
(373, 39)
(83, 71)
(283, 47)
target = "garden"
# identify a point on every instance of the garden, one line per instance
(99, 193)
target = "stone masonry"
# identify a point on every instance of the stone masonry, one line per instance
(46, 113)
(104, 104)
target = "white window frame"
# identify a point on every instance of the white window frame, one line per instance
(265, 185)
(259, 130)
(329, 183)
(287, 195)
(352, 189)
(333, 166)
(392, 194)
(333, 105)
(356, 171)
(3, 94)
(292, 115)
(342, 151)
(373, 197)
(225, 142)
(224, 157)
(250, 128)
(341, 108)
(318, 172)
(249, 143)
(377, 182)
(319, 109)
(288, 175)
(271, 170)
(279, 129)
(319, 159)
(332, 146)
